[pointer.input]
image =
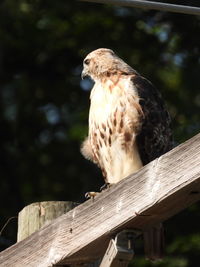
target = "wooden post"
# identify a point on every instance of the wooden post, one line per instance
(158, 191)
(34, 216)
(120, 250)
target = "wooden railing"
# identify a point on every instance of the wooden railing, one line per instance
(159, 190)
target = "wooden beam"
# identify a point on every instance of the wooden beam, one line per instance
(120, 250)
(159, 190)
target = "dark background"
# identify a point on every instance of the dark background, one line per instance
(44, 104)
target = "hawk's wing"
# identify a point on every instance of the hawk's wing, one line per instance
(155, 137)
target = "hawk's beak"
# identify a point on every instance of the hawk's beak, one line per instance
(84, 74)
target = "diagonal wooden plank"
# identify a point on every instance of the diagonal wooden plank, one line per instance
(158, 191)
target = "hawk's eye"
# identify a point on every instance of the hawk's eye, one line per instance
(87, 61)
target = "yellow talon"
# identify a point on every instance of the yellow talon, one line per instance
(91, 195)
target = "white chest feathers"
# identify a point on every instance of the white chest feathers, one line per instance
(114, 121)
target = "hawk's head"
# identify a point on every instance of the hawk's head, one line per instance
(103, 63)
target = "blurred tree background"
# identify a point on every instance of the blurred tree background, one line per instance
(44, 104)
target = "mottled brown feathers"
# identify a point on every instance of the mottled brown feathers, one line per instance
(128, 122)
(108, 65)
(155, 137)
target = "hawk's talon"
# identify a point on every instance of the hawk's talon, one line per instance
(92, 195)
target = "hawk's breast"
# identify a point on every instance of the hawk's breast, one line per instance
(114, 121)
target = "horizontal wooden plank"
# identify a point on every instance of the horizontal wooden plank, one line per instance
(158, 191)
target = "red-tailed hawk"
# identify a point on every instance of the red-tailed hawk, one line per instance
(129, 125)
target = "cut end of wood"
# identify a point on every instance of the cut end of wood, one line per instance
(36, 215)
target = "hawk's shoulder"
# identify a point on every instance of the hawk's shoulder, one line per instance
(155, 137)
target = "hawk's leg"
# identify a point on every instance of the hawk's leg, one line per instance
(105, 186)
(92, 195)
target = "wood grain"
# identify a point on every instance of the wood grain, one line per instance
(159, 190)
(32, 217)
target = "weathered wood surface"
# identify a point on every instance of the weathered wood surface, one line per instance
(155, 193)
(120, 251)
(32, 217)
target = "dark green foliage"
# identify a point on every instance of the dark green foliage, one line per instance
(44, 105)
